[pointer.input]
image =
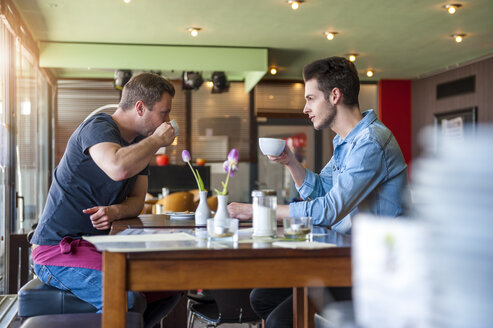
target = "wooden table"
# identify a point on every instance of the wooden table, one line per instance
(249, 265)
(162, 221)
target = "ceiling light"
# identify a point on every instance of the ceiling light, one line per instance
(191, 80)
(330, 35)
(369, 73)
(352, 57)
(220, 82)
(210, 84)
(127, 1)
(273, 70)
(194, 31)
(295, 4)
(452, 7)
(458, 37)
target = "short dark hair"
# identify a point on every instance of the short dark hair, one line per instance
(148, 87)
(335, 72)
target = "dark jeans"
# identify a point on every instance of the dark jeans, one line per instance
(275, 306)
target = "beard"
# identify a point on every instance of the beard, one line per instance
(328, 119)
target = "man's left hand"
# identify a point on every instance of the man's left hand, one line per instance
(101, 216)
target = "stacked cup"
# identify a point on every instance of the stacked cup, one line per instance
(453, 188)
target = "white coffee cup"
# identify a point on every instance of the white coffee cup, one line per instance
(271, 146)
(175, 126)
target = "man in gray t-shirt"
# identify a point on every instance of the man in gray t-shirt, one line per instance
(102, 177)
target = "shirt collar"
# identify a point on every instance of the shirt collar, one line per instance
(368, 118)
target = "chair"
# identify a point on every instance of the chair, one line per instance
(149, 201)
(196, 197)
(230, 306)
(176, 202)
(212, 202)
(194, 297)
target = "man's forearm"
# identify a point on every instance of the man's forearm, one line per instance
(297, 172)
(129, 208)
(136, 157)
(282, 211)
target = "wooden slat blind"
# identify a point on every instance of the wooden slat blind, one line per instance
(284, 98)
(178, 113)
(75, 100)
(78, 98)
(215, 115)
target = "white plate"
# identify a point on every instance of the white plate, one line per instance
(181, 215)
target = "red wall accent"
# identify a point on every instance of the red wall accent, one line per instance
(394, 99)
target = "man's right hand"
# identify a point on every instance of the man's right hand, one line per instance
(164, 134)
(295, 168)
(286, 157)
(240, 211)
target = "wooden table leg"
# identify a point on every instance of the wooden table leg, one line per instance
(306, 302)
(298, 307)
(314, 297)
(114, 290)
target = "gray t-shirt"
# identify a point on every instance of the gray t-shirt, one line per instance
(79, 183)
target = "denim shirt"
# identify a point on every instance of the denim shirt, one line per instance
(367, 173)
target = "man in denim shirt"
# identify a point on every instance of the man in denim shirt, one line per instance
(366, 173)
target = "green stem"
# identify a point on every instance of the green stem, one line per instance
(195, 175)
(225, 189)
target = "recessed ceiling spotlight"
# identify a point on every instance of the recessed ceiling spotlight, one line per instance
(194, 31)
(458, 37)
(273, 70)
(127, 1)
(369, 73)
(352, 57)
(295, 4)
(452, 7)
(330, 35)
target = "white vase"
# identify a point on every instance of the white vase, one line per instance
(222, 209)
(202, 212)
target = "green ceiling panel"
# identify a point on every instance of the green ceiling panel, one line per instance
(252, 62)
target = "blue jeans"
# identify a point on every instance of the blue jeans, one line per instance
(84, 283)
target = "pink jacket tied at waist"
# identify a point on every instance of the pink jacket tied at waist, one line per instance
(69, 252)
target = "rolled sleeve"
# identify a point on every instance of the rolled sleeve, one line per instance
(306, 189)
(297, 209)
(363, 171)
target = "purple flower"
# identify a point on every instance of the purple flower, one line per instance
(233, 156)
(234, 168)
(230, 166)
(185, 155)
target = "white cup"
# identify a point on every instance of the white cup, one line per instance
(271, 146)
(175, 126)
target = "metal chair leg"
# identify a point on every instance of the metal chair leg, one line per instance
(189, 315)
(192, 320)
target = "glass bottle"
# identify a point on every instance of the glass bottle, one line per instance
(264, 213)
